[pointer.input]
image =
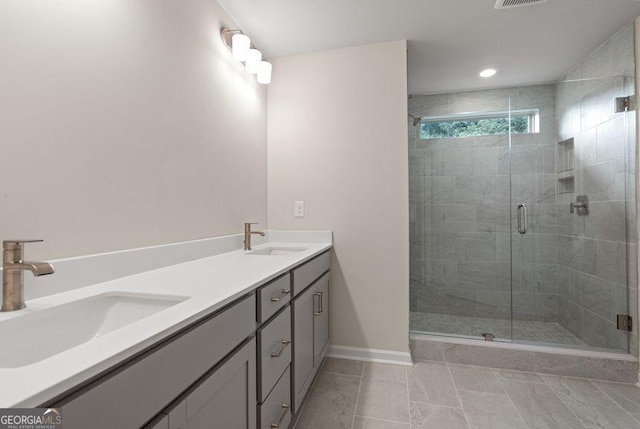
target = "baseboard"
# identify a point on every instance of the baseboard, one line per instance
(371, 355)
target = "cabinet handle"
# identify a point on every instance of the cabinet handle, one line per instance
(284, 293)
(285, 344)
(320, 305)
(285, 410)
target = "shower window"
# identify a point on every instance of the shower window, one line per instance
(480, 124)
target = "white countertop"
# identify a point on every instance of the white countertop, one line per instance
(209, 283)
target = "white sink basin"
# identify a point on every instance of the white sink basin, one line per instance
(36, 336)
(277, 251)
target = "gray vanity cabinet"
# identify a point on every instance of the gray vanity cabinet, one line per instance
(311, 336)
(225, 399)
(130, 396)
(240, 367)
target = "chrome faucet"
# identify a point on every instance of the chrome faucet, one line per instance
(247, 234)
(13, 268)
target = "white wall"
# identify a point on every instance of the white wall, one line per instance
(337, 134)
(123, 124)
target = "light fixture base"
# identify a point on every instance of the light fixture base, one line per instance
(226, 35)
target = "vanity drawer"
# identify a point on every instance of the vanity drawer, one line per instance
(273, 297)
(305, 275)
(275, 412)
(274, 344)
(152, 379)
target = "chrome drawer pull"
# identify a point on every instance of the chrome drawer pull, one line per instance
(320, 306)
(285, 410)
(285, 343)
(284, 293)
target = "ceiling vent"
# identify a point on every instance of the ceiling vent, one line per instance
(508, 4)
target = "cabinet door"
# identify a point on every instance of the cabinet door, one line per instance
(226, 399)
(321, 320)
(303, 308)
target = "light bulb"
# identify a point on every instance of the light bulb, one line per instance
(252, 62)
(264, 72)
(240, 45)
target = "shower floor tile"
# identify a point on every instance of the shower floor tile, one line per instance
(539, 332)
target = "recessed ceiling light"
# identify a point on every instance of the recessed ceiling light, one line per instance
(487, 72)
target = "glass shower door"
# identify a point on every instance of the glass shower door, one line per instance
(575, 176)
(533, 232)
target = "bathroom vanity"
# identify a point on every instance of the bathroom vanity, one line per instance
(235, 368)
(246, 363)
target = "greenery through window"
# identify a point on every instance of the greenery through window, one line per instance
(485, 124)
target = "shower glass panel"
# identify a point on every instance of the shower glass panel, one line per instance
(522, 214)
(460, 223)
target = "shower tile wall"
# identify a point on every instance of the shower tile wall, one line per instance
(597, 254)
(460, 212)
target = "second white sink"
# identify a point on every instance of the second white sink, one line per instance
(36, 336)
(277, 251)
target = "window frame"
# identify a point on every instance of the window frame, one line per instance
(533, 115)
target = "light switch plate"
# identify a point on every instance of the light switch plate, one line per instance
(298, 209)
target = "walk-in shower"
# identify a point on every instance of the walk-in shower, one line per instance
(523, 208)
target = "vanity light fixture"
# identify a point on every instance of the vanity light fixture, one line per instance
(252, 62)
(240, 46)
(264, 72)
(487, 72)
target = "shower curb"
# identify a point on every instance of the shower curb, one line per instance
(596, 365)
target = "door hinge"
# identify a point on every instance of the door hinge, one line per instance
(625, 322)
(622, 104)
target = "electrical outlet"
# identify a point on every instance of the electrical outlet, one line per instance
(298, 209)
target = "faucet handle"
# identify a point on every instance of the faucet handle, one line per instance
(17, 244)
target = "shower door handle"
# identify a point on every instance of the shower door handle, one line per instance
(522, 219)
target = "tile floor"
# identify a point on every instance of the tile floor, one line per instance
(539, 332)
(358, 395)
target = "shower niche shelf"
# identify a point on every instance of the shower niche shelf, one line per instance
(566, 156)
(566, 184)
(565, 166)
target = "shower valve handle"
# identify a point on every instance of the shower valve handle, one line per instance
(581, 206)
